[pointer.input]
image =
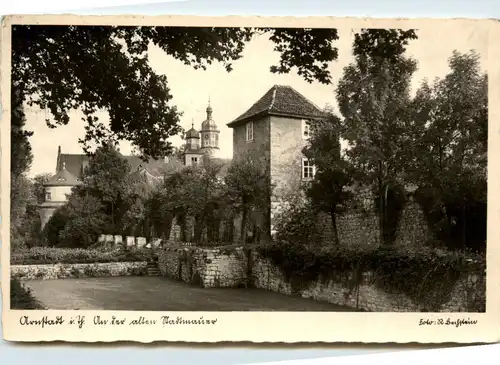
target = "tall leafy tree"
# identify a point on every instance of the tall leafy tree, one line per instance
(194, 192)
(21, 198)
(334, 172)
(138, 193)
(248, 186)
(86, 220)
(106, 178)
(374, 100)
(450, 131)
(21, 159)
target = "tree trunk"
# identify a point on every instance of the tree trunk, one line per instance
(113, 216)
(336, 241)
(464, 226)
(244, 214)
(381, 213)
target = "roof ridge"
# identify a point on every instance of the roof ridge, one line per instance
(281, 100)
(273, 98)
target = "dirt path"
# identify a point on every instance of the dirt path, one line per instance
(162, 294)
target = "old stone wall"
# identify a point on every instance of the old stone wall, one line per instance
(235, 268)
(207, 268)
(64, 271)
(413, 228)
(358, 222)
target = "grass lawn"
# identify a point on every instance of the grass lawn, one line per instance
(162, 294)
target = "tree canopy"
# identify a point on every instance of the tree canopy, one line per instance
(92, 68)
(449, 163)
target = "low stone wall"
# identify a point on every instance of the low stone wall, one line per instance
(237, 268)
(64, 271)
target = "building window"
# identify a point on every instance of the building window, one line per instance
(308, 169)
(306, 129)
(48, 196)
(249, 131)
(194, 160)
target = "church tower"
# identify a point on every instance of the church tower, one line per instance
(209, 134)
(192, 154)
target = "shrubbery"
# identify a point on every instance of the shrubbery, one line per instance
(21, 297)
(51, 255)
(427, 276)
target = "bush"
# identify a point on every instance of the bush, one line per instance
(298, 223)
(51, 255)
(21, 296)
(427, 276)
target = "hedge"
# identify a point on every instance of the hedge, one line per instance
(21, 296)
(427, 276)
(52, 255)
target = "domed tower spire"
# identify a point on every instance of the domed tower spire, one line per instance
(209, 109)
(192, 138)
(209, 132)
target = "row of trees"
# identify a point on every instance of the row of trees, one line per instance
(434, 142)
(113, 200)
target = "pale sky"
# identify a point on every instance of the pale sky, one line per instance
(233, 93)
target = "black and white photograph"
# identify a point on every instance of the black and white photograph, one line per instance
(193, 168)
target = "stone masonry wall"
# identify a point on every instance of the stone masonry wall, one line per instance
(204, 267)
(64, 271)
(358, 223)
(234, 268)
(413, 229)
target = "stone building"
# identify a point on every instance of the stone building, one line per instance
(204, 142)
(57, 190)
(277, 128)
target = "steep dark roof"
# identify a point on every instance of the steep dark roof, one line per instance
(191, 151)
(281, 100)
(192, 133)
(76, 164)
(63, 178)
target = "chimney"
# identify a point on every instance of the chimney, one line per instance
(58, 158)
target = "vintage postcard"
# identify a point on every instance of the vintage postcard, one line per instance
(249, 179)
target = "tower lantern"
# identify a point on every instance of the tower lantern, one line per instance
(209, 133)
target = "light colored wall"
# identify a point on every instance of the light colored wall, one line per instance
(286, 145)
(188, 156)
(261, 139)
(58, 193)
(261, 146)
